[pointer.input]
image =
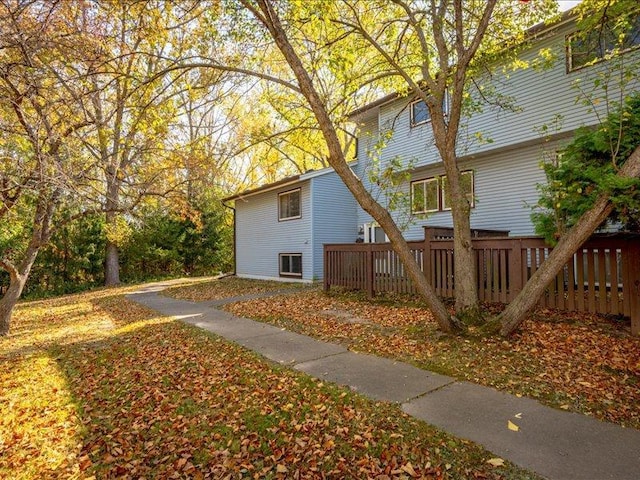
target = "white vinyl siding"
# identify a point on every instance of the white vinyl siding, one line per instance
(541, 97)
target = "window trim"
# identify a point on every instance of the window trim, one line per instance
(440, 182)
(599, 59)
(472, 193)
(411, 114)
(288, 192)
(289, 274)
(424, 181)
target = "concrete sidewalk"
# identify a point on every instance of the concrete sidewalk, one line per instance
(555, 444)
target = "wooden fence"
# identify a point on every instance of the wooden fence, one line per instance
(602, 277)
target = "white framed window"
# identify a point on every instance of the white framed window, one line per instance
(373, 233)
(586, 48)
(425, 196)
(290, 264)
(419, 113)
(467, 185)
(289, 205)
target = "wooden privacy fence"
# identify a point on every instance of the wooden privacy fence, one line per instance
(602, 277)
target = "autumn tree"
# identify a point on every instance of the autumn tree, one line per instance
(41, 167)
(614, 147)
(437, 50)
(132, 107)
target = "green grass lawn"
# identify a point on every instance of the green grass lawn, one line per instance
(97, 386)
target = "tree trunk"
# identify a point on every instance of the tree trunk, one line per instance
(9, 300)
(269, 17)
(464, 266)
(18, 275)
(516, 311)
(111, 265)
(112, 257)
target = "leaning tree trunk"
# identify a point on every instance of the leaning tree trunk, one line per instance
(269, 17)
(571, 241)
(9, 300)
(19, 274)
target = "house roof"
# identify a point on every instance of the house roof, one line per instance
(270, 186)
(531, 33)
(292, 180)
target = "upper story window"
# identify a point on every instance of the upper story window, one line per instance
(431, 194)
(586, 48)
(289, 205)
(425, 196)
(419, 113)
(467, 186)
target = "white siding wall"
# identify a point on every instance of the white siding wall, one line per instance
(334, 217)
(260, 237)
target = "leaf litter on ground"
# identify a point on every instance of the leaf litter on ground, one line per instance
(101, 387)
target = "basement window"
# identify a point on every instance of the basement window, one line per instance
(291, 265)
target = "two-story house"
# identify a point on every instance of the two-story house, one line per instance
(499, 149)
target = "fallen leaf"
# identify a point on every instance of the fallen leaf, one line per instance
(496, 462)
(512, 426)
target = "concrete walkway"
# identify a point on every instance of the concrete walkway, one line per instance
(555, 444)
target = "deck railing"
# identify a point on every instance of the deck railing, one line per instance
(602, 277)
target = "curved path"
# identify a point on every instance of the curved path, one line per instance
(555, 444)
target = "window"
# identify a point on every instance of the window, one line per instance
(425, 196)
(467, 185)
(419, 113)
(289, 205)
(291, 265)
(585, 48)
(430, 194)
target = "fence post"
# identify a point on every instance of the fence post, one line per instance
(369, 270)
(426, 256)
(633, 258)
(515, 268)
(327, 269)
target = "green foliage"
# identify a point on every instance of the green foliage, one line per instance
(169, 245)
(163, 244)
(72, 261)
(586, 169)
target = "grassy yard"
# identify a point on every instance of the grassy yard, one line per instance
(96, 386)
(577, 362)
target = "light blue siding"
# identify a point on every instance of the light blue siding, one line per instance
(538, 94)
(260, 237)
(334, 216)
(505, 191)
(507, 168)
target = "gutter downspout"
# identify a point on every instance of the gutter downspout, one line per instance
(235, 253)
